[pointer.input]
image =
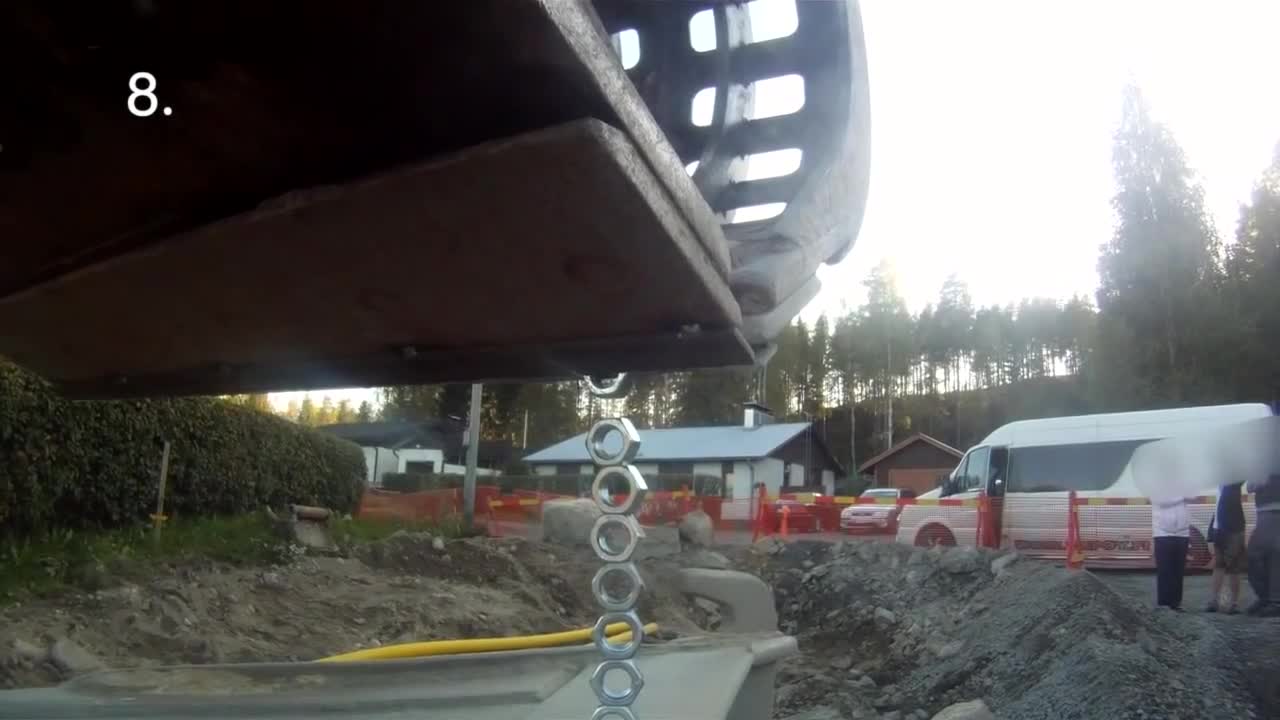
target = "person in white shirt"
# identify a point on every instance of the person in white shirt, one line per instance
(1170, 533)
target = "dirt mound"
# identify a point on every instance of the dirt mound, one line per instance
(889, 630)
(407, 587)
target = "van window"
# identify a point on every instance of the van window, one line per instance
(1058, 468)
(975, 477)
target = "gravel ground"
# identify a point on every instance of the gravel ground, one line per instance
(1243, 649)
(408, 587)
(889, 631)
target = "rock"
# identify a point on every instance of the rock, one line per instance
(867, 551)
(951, 649)
(128, 595)
(914, 577)
(842, 662)
(272, 580)
(886, 615)
(437, 544)
(822, 712)
(891, 715)
(658, 542)
(961, 560)
(920, 715)
(1002, 563)
(972, 710)
(700, 558)
(769, 545)
(569, 521)
(72, 659)
(866, 683)
(696, 529)
(91, 576)
(25, 653)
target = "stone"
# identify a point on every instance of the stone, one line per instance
(128, 595)
(700, 558)
(272, 580)
(770, 545)
(658, 542)
(867, 551)
(1002, 563)
(951, 649)
(962, 560)
(696, 529)
(822, 712)
(91, 576)
(971, 710)
(891, 715)
(866, 683)
(23, 652)
(437, 544)
(842, 662)
(72, 659)
(886, 615)
(569, 521)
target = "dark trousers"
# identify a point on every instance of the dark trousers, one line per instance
(1264, 557)
(1171, 563)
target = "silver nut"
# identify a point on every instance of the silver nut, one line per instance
(613, 712)
(613, 387)
(602, 430)
(609, 602)
(619, 651)
(636, 489)
(601, 545)
(612, 699)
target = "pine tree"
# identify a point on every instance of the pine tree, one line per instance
(1159, 274)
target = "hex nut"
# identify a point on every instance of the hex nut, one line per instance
(601, 431)
(636, 489)
(621, 699)
(608, 602)
(599, 541)
(618, 652)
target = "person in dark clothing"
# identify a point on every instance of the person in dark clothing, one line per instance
(1170, 532)
(1264, 548)
(1226, 532)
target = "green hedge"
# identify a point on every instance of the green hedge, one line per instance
(82, 464)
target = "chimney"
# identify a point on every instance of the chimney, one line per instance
(754, 415)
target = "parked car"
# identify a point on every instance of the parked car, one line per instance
(878, 518)
(800, 517)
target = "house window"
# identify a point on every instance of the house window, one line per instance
(562, 469)
(419, 467)
(675, 468)
(726, 468)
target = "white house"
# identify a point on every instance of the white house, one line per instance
(434, 446)
(782, 455)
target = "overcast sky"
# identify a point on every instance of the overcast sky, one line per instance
(992, 125)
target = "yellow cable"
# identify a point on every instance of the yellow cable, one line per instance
(617, 632)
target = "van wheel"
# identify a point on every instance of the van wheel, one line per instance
(1198, 553)
(931, 535)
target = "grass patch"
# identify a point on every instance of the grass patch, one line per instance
(92, 560)
(89, 560)
(355, 531)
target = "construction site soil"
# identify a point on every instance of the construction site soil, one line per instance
(885, 631)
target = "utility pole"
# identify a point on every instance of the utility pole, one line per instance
(524, 440)
(473, 456)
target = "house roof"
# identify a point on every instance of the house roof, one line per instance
(396, 434)
(911, 440)
(727, 442)
(435, 434)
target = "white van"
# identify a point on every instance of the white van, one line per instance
(1028, 467)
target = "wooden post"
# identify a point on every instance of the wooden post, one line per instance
(157, 520)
